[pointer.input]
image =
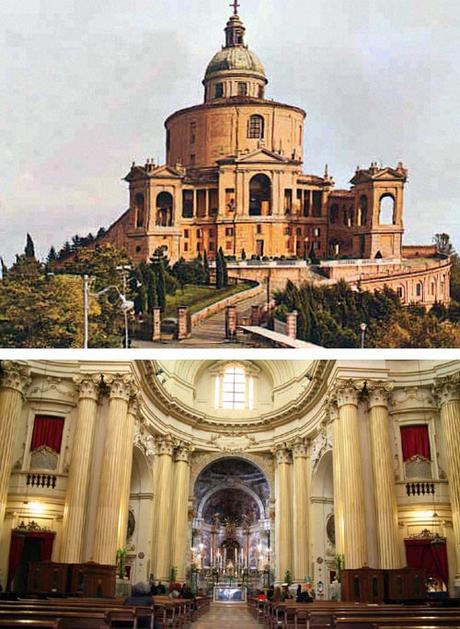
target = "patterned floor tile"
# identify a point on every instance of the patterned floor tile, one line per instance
(226, 617)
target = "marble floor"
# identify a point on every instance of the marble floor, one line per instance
(226, 617)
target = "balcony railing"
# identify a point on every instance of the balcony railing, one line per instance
(48, 481)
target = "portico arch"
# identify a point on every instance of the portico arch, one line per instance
(260, 195)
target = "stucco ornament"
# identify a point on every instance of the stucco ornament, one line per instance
(232, 441)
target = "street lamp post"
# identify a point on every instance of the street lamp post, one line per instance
(126, 307)
(363, 328)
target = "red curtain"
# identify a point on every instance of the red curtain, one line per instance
(415, 440)
(47, 432)
(423, 554)
(18, 540)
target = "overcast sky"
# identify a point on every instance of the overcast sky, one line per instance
(86, 86)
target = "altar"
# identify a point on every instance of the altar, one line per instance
(229, 594)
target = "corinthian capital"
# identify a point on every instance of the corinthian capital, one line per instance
(165, 445)
(88, 386)
(299, 449)
(15, 376)
(447, 389)
(347, 392)
(379, 393)
(182, 453)
(120, 386)
(282, 454)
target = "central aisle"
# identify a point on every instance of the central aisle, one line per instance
(227, 617)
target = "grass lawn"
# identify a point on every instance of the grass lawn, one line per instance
(195, 298)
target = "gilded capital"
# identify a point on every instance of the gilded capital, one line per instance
(447, 389)
(299, 449)
(379, 393)
(15, 376)
(120, 386)
(282, 455)
(88, 386)
(165, 445)
(346, 392)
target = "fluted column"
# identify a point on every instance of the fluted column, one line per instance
(111, 478)
(180, 510)
(162, 516)
(351, 476)
(80, 468)
(301, 498)
(337, 466)
(386, 509)
(448, 390)
(15, 379)
(283, 513)
(127, 467)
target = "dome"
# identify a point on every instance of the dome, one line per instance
(235, 59)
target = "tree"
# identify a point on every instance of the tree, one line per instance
(4, 268)
(29, 250)
(161, 286)
(207, 273)
(220, 269)
(224, 270)
(243, 254)
(52, 256)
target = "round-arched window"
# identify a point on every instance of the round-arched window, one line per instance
(256, 127)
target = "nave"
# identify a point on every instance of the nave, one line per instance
(226, 617)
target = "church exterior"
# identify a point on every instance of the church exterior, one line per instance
(233, 179)
(228, 465)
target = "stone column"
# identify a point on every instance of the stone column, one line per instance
(111, 477)
(127, 466)
(283, 513)
(448, 391)
(73, 526)
(351, 476)
(180, 510)
(386, 509)
(337, 467)
(300, 512)
(291, 324)
(162, 515)
(15, 379)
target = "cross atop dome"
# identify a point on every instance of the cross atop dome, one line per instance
(235, 7)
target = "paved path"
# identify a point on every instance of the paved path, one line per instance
(211, 333)
(227, 617)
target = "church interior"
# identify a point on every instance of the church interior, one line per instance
(230, 488)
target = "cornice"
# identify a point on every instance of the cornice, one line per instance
(296, 409)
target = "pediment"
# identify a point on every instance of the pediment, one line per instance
(385, 174)
(261, 155)
(138, 173)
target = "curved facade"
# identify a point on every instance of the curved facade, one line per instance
(148, 454)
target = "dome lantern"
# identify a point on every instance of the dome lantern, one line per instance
(235, 71)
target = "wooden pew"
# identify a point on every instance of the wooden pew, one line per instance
(32, 624)
(371, 622)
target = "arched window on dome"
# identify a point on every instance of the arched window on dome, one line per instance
(219, 90)
(242, 89)
(256, 127)
(234, 388)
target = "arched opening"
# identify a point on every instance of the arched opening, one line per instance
(140, 513)
(231, 496)
(363, 211)
(164, 205)
(419, 291)
(387, 210)
(260, 196)
(139, 204)
(401, 293)
(256, 127)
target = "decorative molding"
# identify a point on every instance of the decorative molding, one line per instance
(319, 446)
(144, 441)
(295, 409)
(232, 441)
(52, 388)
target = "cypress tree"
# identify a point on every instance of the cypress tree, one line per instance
(161, 285)
(224, 271)
(4, 268)
(52, 256)
(219, 270)
(207, 275)
(152, 296)
(29, 250)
